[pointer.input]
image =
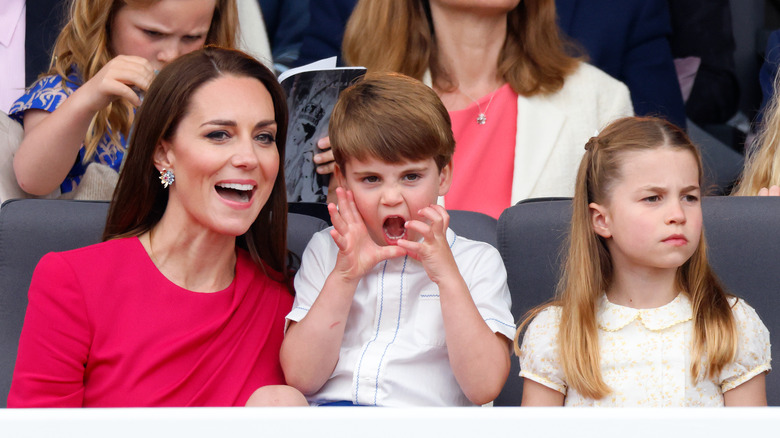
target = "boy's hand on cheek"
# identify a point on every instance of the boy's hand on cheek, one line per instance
(358, 253)
(433, 251)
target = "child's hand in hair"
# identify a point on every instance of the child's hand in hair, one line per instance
(121, 78)
(433, 251)
(358, 253)
(771, 191)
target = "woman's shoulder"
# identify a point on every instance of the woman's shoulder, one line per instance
(592, 90)
(123, 247)
(589, 74)
(96, 262)
(589, 81)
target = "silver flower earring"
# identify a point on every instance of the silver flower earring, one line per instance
(166, 178)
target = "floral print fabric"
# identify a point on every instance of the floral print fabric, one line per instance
(47, 94)
(645, 355)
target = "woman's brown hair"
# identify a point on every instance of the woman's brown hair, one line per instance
(588, 267)
(398, 35)
(84, 47)
(140, 200)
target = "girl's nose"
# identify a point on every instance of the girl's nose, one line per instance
(676, 213)
(169, 52)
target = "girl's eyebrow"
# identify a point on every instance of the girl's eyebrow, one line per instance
(658, 189)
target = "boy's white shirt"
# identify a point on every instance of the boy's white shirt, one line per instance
(393, 352)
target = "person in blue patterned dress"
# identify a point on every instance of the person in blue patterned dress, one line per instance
(77, 118)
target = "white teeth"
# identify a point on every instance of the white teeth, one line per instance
(234, 186)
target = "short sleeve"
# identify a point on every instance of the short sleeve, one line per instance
(539, 357)
(753, 348)
(486, 280)
(55, 340)
(46, 94)
(317, 263)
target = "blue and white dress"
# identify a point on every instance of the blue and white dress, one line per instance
(47, 94)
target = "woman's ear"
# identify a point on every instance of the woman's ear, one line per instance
(163, 156)
(599, 220)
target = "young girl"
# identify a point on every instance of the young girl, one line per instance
(77, 119)
(762, 166)
(640, 318)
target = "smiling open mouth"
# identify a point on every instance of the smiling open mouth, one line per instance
(235, 192)
(393, 227)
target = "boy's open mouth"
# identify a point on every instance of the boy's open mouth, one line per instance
(235, 192)
(394, 229)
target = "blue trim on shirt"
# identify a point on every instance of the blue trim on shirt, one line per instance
(500, 322)
(376, 335)
(397, 327)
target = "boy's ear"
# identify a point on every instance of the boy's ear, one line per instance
(599, 220)
(445, 179)
(339, 175)
(163, 156)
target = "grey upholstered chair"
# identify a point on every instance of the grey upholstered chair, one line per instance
(474, 226)
(743, 235)
(30, 228)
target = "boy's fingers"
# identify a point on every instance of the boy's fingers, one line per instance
(391, 251)
(412, 248)
(443, 213)
(335, 217)
(438, 216)
(420, 227)
(338, 238)
(352, 207)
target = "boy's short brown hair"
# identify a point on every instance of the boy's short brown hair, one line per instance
(393, 118)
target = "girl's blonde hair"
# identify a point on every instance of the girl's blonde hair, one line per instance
(84, 47)
(397, 35)
(588, 267)
(762, 168)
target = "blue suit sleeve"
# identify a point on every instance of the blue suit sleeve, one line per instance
(648, 68)
(322, 38)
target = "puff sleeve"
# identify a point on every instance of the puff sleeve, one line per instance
(753, 348)
(539, 356)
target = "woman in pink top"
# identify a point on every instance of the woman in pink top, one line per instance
(168, 311)
(522, 108)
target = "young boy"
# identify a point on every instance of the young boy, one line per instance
(392, 308)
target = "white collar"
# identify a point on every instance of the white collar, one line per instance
(613, 317)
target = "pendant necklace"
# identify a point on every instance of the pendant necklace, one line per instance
(482, 117)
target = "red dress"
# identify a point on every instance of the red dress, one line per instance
(105, 328)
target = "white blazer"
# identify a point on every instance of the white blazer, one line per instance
(552, 130)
